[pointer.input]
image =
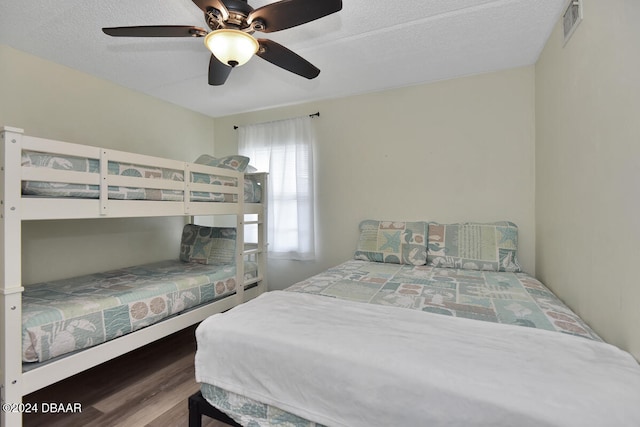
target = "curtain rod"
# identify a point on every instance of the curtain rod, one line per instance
(316, 114)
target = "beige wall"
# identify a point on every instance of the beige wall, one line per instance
(458, 150)
(52, 101)
(588, 169)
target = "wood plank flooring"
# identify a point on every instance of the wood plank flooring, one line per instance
(148, 387)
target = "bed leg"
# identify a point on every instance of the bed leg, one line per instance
(198, 406)
(195, 416)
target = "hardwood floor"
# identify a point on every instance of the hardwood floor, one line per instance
(148, 387)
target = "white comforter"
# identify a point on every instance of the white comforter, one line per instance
(343, 363)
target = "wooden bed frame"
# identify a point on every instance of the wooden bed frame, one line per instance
(16, 208)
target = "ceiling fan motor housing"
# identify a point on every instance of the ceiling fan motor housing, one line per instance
(238, 11)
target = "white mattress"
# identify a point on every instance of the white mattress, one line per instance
(343, 363)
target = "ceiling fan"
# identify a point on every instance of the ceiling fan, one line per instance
(232, 23)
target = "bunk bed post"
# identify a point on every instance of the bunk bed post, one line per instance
(263, 241)
(240, 243)
(186, 193)
(11, 286)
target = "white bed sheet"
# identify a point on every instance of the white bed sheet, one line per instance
(354, 364)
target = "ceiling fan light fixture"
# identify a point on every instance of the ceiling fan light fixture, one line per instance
(231, 47)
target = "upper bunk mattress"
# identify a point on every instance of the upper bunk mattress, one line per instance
(62, 316)
(252, 190)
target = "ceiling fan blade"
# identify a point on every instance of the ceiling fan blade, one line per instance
(284, 58)
(156, 31)
(218, 72)
(205, 5)
(290, 13)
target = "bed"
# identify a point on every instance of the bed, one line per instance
(64, 316)
(55, 329)
(429, 324)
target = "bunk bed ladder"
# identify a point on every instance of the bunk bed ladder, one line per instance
(257, 252)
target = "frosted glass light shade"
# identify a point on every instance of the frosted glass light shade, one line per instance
(231, 47)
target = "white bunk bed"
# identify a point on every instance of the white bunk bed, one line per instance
(16, 208)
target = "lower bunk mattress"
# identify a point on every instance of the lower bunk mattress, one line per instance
(63, 316)
(500, 345)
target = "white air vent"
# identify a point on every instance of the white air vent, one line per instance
(571, 18)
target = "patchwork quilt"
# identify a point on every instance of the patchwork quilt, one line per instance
(500, 297)
(62, 316)
(252, 191)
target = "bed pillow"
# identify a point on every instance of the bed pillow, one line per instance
(208, 245)
(392, 242)
(474, 246)
(235, 162)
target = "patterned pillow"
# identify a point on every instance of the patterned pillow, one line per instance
(393, 242)
(208, 245)
(474, 246)
(235, 162)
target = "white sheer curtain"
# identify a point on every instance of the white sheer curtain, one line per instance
(285, 149)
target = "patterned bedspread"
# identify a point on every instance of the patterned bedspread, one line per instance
(502, 297)
(62, 316)
(252, 191)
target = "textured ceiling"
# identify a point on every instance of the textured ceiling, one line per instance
(370, 45)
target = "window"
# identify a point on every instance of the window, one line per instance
(285, 150)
